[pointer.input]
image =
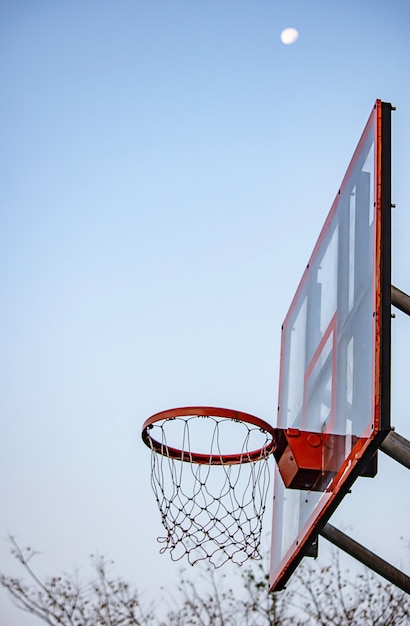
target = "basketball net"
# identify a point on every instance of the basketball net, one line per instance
(211, 500)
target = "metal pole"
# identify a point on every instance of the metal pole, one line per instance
(365, 556)
(400, 300)
(397, 447)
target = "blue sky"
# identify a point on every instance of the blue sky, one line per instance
(166, 168)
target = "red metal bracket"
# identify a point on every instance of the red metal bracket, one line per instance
(308, 460)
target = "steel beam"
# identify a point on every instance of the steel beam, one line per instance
(397, 447)
(400, 300)
(365, 556)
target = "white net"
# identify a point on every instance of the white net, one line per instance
(211, 499)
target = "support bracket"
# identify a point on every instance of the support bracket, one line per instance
(365, 556)
(400, 300)
(397, 447)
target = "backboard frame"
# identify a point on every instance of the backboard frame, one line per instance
(362, 452)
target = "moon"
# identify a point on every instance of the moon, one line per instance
(289, 35)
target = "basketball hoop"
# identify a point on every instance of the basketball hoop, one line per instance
(211, 497)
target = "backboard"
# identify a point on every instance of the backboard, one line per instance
(334, 388)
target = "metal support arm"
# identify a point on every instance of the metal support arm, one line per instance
(398, 448)
(400, 300)
(365, 556)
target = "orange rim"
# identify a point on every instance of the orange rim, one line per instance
(208, 459)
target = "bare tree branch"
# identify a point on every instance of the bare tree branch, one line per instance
(317, 595)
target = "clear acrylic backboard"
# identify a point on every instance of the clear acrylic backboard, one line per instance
(335, 355)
